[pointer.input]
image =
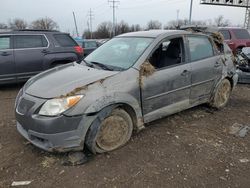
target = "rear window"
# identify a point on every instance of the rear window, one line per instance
(30, 41)
(226, 34)
(4, 42)
(65, 40)
(241, 34)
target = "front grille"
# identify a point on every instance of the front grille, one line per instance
(24, 106)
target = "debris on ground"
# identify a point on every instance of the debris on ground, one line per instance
(244, 160)
(20, 183)
(239, 130)
(48, 162)
(1, 146)
(77, 158)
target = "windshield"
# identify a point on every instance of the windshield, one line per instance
(121, 53)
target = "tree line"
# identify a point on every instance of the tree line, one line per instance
(105, 29)
(41, 23)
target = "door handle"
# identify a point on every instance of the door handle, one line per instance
(45, 51)
(184, 73)
(5, 54)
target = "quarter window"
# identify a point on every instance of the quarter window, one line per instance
(65, 40)
(200, 48)
(4, 42)
(226, 34)
(30, 41)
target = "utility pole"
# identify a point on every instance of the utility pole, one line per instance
(190, 12)
(178, 11)
(113, 5)
(90, 15)
(75, 24)
(247, 16)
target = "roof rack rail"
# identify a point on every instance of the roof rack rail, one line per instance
(47, 30)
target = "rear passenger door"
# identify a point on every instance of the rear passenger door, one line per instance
(7, 65)
(29, 51)
(206, 68)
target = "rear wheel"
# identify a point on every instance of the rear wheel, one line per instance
(114, 131)
(222, 94)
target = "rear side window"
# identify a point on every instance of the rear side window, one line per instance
(200, 48)
(65, 40)
(4, 42)
(226, 34)
(30, 41)
(90, 44)
(241, 34)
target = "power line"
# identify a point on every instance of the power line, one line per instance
(113, 6)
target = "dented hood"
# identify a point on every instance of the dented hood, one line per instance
(62, 80)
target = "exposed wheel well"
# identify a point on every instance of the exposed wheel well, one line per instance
(131, 112)
(231, 81)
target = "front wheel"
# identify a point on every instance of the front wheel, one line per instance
(222, 94)
(113, 131)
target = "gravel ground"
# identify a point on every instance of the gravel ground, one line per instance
(193, 148)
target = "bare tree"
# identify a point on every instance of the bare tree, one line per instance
(221, 22)
(174, 25)
(122, 27)
(3, 26)
(44, 23)
(153, 24)
(104, 30)
(18, 24)
(135, 27)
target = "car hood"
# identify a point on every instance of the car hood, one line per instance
(62, 80)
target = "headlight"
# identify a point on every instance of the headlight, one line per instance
(55, 107)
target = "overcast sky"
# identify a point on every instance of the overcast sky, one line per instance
(131, 11)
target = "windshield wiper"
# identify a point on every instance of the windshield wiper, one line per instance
(88, 64)
(103, 66)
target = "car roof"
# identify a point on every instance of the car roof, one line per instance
(232, 28)
(153, 33)
(30, 31)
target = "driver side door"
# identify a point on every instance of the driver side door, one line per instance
(167, 89)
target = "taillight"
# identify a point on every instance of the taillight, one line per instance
(78, 49)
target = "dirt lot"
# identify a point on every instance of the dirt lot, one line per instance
(189, 149)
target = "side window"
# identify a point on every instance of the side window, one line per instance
(225, 34)
(200, 48)
(4, 42)
(65, 40)
(170, 52)
(30, 41)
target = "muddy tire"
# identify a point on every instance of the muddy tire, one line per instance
(222, 94)
(111, 133)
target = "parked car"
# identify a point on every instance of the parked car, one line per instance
(25, 53)
(89, 46)
(243, 64)
(236, 38)
(131, 80)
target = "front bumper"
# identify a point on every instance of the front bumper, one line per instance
(244, 77)
(53, 134)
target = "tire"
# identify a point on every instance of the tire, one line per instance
(222, 94)
(110, 133)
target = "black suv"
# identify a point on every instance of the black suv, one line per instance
(24, 53)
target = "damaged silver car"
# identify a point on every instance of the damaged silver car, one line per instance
(129, 81)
